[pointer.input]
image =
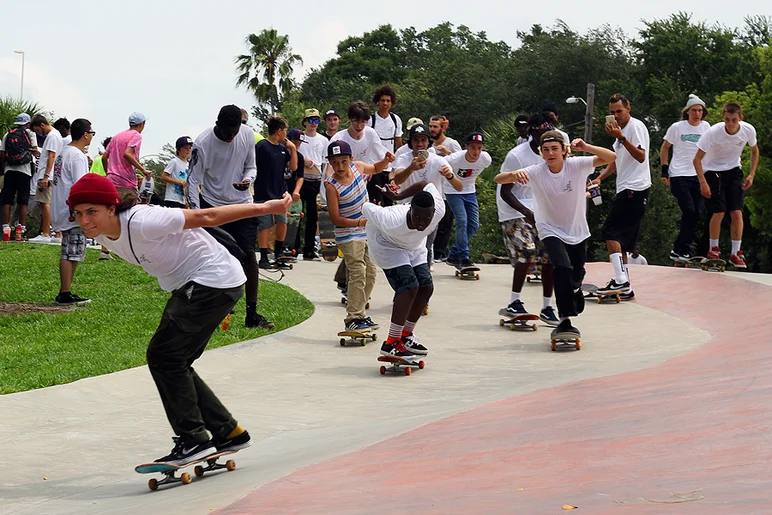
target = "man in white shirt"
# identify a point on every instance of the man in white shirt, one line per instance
(559, 188)
(443, 146)
(223, 165)
(620, 230)
(41, 184)
(681, 175)
(312, 146)
(389, 128)
(521, 126)
(719, 169)
(17, 149)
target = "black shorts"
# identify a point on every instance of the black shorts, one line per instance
(244, 231)
(624, 220)
(171, 203)
(405, 278)
(16, 185)
(726, 190)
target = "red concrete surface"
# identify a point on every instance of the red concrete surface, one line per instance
(697, 426)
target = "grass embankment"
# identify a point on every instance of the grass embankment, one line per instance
(39, 349)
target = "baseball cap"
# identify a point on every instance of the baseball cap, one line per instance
(182, 141)
(136, 118)
(413, 121)
(295, 134)
(338, 148)
(311, 113)
(22, 119)
(521, 120)
(475, 137)
(331, 112)
(419, 129)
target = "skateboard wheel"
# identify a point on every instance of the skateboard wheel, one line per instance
(619, 299)
(382, 370)
(362, 342)
(477, 276)
(367, 306)
(342, 342)
(512, 327)
(426, 310)
(535, 327)
(342, 300)
(600, 299)
(578, 344)
(408, 371)
(185, 478)
(374, 337)
(501, 322)
(421, 365)
(457, 274)
(153, 484)
(198, 470)
(554, 346)
(528, 279)
(230, 465)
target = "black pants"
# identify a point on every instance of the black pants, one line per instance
(686, 190)
(308, 192)
(444, 229)
(191, 316)
(568, 273)
(374, 186)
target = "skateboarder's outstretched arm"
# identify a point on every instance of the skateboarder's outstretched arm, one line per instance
(407, 192)
(215, 216)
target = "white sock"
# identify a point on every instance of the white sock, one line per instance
(616, 262)
(515, 296)
(626, 271)
(713, 243)
(546, 302)
(736, 246)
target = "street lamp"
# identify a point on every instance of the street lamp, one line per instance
(21, 93)
(575, 100)
(588, 111)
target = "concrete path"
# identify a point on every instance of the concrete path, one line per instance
(494, 411)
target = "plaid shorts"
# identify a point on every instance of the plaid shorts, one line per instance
(73, 245)
(522, 242)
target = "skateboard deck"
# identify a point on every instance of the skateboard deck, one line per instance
(403, 365)
(287, 261)
(494, 259)
(294, 216)
(534, 273)
(468, 272)
(329, 248)
(169, 470)
(692, 262)
(226, 322)
(590, 291)
(565, 340)
(358, 337)
(520, 322)
(714, 265)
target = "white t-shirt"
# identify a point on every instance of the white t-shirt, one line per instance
(26, 168)
(640, 260)
(390, 241)
(70, 165)
(684, 137)
(313, 148)
(178, 169)
(171, 254)
(520, 141)
(448, 143)
(431, 172)
(368, 149)
(632, 175)
(561, 204)
(723, 150)
(387, 131)
(519, 158)
(53, 143)
(467, 172)
(404, 149)
(216, 164)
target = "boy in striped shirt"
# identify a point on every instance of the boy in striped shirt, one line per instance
(346, 195)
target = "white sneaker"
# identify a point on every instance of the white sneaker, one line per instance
(54, 239)
(40, 239)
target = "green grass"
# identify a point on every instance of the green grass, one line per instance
(110, 334)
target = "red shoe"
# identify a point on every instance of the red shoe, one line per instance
(737, 260)
(714, 253)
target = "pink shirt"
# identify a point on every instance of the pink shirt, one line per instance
(119, 171)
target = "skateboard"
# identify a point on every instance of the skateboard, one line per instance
(590, 291)
(170, 471)
(494, 259)
(692, 262)
(565, 340)
(534, 273)
(398, 364)
(520, 322)
(714, 265)
(285, 260)
(358, 337)
(226, 322)
(426, 310)
(329, 248)
(468, 272)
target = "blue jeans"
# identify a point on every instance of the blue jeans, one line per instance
(467, 213)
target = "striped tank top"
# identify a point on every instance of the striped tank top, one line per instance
(351, 198)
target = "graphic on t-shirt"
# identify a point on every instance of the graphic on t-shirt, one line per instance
(568, 187)
(692, 138)
(465, 173)
(183, 176)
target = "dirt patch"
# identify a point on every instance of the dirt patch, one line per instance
(27, 308)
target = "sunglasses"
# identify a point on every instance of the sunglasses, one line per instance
(93, 133)
(313, 120)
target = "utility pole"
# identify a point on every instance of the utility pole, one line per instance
(588, 113)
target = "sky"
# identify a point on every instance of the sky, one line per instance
(175, 65)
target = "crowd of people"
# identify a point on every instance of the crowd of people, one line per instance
(392, 194)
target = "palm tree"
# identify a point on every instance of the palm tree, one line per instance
(270, 60)
(10, 106)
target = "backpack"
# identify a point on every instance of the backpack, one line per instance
(393, 119)
(17, 147)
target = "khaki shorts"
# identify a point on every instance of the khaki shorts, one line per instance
(44, 197)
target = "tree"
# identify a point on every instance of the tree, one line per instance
(11, 106)
(267, 70)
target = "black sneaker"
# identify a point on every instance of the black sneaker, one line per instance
(452, 261)
(68, 299)
(373, 325)
(579, 300)
(312, 257)
(514, 309)
(547, 316)
(258, 320)
(357, 324)
(412, 345)
(675, 256)
(282, 264)
(465, 263)
(397, 349)
(627, 296)
(184, 453)
(265, 264)
(238, 442)
(614, 287)
(565, 330)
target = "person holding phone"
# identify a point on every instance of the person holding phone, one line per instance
(620, 230)
(222, 166)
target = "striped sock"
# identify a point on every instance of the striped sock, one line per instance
(408, 328)
(395, 333)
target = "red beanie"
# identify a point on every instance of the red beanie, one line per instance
(93, 189)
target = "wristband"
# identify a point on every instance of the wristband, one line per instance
(622, 140)
(665, 171)
(452, 176)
